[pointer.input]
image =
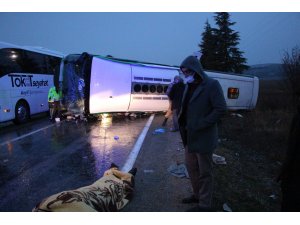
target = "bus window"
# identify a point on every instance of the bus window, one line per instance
(159, 89)
(152, 88)
(137, 88)
(145, 88)
(10, 61)
(35, 63)
(53, 63)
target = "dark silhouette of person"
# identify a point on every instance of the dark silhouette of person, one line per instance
(175, 96)
(289, 176)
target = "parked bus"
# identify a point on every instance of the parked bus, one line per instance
(26, 74)
(118, 85)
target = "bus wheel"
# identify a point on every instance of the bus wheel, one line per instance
(21, 112)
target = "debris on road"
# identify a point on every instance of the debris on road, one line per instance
(273, 197)
(237, 115)
(178, 170)
(226, 208)
(159, 131)
(116, 138)
(217, 159)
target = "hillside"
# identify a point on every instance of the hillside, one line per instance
(267, 71)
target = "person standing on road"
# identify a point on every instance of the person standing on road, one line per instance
(54, 98)
(169, 111)
(175, 96)
(203, 105)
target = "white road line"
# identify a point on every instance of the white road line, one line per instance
(137, 147)
(25, 135)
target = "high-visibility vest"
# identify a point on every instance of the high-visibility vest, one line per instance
(53, 95)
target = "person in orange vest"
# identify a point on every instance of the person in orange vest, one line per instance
(54, 99)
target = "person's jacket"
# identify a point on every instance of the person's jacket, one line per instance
(205, 108)
(53, 95)
(175, 95)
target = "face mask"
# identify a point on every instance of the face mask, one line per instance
(189, 79)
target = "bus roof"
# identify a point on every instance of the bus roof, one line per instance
(33, 49)
(148, 64)
(136, 62)
(156, 65)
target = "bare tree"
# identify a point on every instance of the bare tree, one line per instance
(291, 67)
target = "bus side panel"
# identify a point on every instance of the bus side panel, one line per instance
(110, 86)
(147, 76)
(33, 91)
(247, 85)
(244, 100)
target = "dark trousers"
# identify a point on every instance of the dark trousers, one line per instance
(54, 108)
(175, 119)
(199, 167)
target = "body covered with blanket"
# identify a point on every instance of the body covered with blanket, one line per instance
(110, 193)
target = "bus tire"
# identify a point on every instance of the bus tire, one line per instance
(22, 113)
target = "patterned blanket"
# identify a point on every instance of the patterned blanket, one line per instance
(110, 193)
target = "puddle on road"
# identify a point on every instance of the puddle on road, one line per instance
(96, 143)
(111, 142)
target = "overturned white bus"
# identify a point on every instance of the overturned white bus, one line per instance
(106, 85)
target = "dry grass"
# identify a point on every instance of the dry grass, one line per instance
(254, 147)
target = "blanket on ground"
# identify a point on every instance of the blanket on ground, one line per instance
(110, 193)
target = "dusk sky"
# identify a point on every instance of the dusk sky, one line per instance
(154, 37)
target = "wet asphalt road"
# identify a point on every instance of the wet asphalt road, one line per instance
(57, 157)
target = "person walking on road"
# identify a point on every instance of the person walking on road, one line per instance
(203, 105)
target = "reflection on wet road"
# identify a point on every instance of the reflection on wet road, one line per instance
(64, 156)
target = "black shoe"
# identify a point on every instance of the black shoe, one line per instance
(200, 209)
(112, 165)
(190, 200)
(133, 171)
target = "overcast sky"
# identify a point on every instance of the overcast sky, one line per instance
(154, 37)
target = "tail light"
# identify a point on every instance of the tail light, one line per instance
(233, 93)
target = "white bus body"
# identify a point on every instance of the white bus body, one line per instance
(117, 85)
(248, 87)
(26, 74)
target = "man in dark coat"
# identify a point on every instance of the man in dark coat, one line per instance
(290, 182)
(203, 105)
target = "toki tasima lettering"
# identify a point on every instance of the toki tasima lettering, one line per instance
(26, 81)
